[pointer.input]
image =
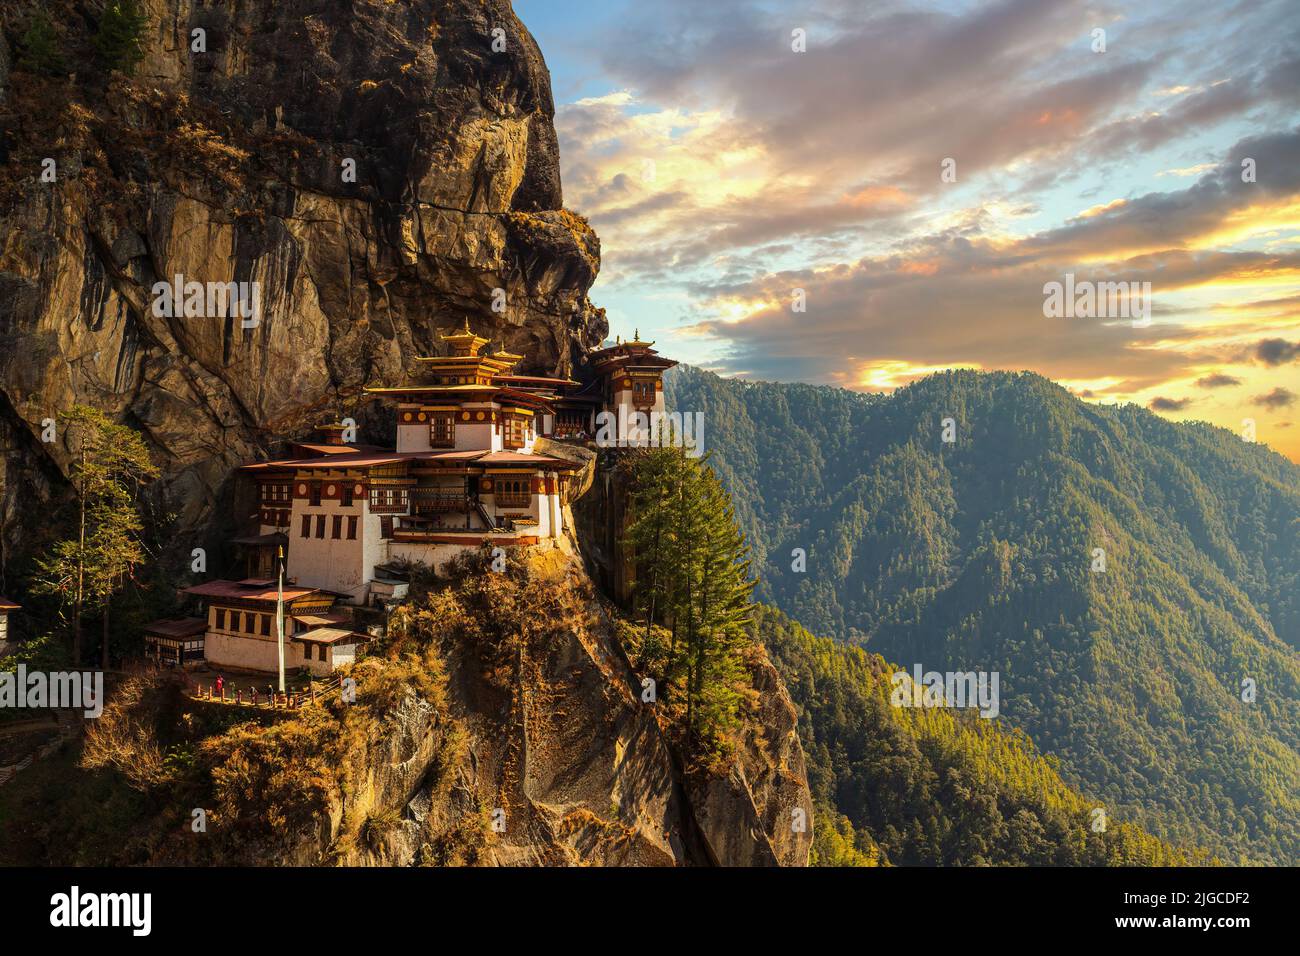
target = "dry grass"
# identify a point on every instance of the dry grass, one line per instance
(125, 738)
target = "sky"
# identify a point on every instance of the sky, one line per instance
(897, 196)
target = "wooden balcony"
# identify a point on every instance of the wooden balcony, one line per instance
(438, 499)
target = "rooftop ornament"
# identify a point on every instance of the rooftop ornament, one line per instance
(464, 342)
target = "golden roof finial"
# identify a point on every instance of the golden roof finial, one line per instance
(464, 334)
(463, 343)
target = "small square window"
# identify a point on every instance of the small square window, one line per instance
(442, 430)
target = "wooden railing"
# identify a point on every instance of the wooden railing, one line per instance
(272, 700)
(433, 499)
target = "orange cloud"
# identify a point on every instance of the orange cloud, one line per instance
(877, 197)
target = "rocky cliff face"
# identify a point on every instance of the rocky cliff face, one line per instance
(557, 760)
(234, 164)
(542, 752)
(499, 722)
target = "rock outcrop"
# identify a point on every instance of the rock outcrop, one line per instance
(557, 760)
(502, 724)
(577, 768)
(234, 163)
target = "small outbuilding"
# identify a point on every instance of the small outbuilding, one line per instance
(176, 642)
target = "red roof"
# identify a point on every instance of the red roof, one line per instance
(246, 590)
(324, 448)
(319, 620)
(466, 456)
(608, 360)
(8, 605)
(354, 460)
(331, 635)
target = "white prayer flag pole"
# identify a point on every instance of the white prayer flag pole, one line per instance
(279, 616)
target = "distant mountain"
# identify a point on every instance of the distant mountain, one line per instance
(979, 555)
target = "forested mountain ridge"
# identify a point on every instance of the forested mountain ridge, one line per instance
(979, 555)
(907, 786)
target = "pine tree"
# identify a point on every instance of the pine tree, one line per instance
(40, 46)
(692, 573)
(121, 30)
(110, 466)
(724, 591)
(652, 535)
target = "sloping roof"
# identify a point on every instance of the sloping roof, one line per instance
(608, 363)
(8, 605)
(331, 635)
(467, 454)
(354, 460)
(278, 537)
(482, 391)
(320, 620)
(413, 389)
(519, 458)
(246, 590)
(526, 398)
(177, 627)
(592, 391)
(535, 379)
(324, 448)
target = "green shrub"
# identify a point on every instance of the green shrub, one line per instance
(40, 46)
(118, 39)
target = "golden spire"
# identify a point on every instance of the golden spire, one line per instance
(465, 342)
(503, 355)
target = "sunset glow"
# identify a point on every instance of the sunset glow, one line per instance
(774, 172)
